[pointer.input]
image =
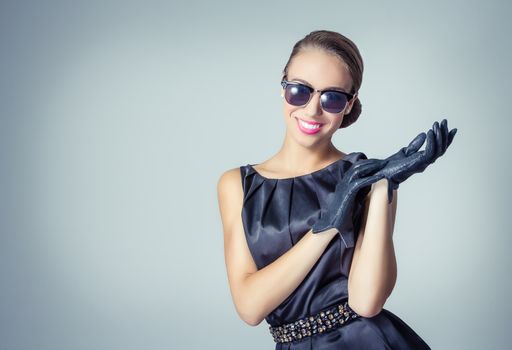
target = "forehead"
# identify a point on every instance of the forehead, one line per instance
(320, 69)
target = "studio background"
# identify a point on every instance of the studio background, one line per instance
(118, 118)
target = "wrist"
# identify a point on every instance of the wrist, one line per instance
(379, 192)
(380, 186)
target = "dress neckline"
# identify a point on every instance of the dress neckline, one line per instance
(328, 166)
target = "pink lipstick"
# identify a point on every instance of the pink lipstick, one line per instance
(307, 127)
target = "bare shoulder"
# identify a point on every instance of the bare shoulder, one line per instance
(230, 184)
(230, 196)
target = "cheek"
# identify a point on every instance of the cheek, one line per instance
(287, 109)
(289, 112)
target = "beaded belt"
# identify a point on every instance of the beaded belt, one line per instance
(333, 317)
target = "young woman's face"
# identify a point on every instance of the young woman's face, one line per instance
(319, 70)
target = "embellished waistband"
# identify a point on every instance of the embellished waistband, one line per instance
(325, 320)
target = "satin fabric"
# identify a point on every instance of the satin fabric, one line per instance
(276, 214)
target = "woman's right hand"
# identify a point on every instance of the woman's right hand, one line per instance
(338, 213)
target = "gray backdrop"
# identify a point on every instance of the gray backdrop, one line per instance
(118, 118)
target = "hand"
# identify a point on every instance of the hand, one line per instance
(408, 161)
(339, 210)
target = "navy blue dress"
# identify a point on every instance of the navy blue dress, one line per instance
(276, 214)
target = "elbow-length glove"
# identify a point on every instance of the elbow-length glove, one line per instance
(408, 161)
(358, 177)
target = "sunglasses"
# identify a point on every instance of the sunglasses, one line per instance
(332, 101)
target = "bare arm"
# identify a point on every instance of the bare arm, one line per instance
(373, 271)
(257, 292)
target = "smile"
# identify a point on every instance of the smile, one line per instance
(308, 127)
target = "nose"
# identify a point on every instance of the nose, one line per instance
(313, 107)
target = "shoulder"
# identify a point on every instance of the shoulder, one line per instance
(229, 186)
(230, 179)
(230, 200)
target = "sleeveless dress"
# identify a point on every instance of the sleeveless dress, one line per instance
(276, 214)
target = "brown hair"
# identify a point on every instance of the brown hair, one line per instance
(343, 48)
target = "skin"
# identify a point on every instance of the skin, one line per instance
(373, 270)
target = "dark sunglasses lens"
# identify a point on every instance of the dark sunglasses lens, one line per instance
(333, 102)
(296, 94)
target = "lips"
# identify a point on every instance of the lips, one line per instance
(310, 122)
(308, 127)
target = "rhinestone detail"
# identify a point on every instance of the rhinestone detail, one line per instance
(323, 321)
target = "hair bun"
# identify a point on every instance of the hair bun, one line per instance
(350, 118)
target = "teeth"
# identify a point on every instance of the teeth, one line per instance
(309, 126)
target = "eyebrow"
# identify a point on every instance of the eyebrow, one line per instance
(327, 88)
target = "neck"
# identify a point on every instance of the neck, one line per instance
(304, 158)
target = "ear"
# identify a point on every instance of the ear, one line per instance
(349, 107)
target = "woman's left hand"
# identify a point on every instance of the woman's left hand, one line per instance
(408, 161)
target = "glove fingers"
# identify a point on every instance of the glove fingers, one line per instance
(439, 140)
(415, 144)
(444, 129)
(430, 149)
(366, 168)
(451, 135)
(398, 155)
(363, 164)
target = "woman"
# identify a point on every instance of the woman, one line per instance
(308, 233)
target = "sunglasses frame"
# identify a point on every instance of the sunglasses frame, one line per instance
(285, 83)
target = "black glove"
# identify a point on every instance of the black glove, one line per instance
(408, 161)
(338, 213)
